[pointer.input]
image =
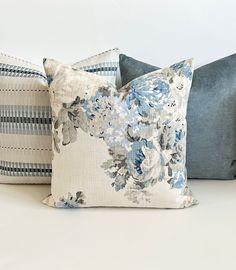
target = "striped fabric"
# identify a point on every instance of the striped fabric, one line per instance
(104, 64)
(103, 69)
(25, 169)
(25, 123)
(18, 71)
(25, 116)
(24, 119)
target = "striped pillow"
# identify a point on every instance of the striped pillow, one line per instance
(25, 116)
(104, 64)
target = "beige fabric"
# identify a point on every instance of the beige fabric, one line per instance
(106, 64)
(101, 137)
(25, 141)
(25, 130)
(22, 149)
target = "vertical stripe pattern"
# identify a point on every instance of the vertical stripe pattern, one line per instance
(25, 115)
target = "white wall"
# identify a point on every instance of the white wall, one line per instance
(157, 31)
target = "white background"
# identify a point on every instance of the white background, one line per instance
(159, 32)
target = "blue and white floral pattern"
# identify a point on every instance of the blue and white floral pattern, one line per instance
(71, 201)
(143, 125)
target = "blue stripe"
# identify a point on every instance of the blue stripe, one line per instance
(19, 119)
(102, 69)
(18, 71)
(25, 169)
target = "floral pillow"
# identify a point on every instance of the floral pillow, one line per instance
(122, 148)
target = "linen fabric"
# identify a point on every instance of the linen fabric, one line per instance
(25, 116)
(25, 126)
(105, 64)
(122, 148)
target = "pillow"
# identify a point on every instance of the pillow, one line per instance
(25, 126)
(121, 148)
(211, 143)
(131, 68)
(25, 113)
(104, 64)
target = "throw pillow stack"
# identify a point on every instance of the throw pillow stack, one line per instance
(101, 145)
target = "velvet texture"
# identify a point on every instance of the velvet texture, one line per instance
(211, 116)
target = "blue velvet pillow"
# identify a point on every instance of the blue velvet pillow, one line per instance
(211, 116)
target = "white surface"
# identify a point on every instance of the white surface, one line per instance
(34, 236)
(160, 32)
